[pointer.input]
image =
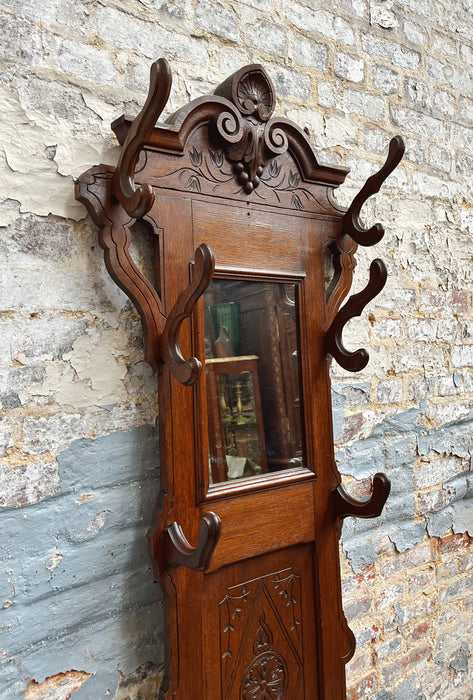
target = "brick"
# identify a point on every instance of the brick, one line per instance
(418, 632)
(320, 22)
(430, 501)
(437, 471)
(444, 103)
(306, 52)
(360, 663)
(348, 67)
(267, 36)
(461, 586)
(416, 92)
(388, 649)
(391, 51)
(397, 669)
(128, 32)
(217, 19)
(24, 484)
(86, 62)
(451, 543)
(364, 104)
(359, 608)
(415, 33)
(382, 15)
(386, 80)
(366, 686)
(291, 82)
(387, 328)
(389, 391)
(444, 302)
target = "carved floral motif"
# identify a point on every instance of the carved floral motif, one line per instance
(274, 600)
(265, 678)
(210, 173)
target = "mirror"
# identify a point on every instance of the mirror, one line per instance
(253, 378)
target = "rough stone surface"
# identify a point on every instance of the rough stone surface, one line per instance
(78, 404)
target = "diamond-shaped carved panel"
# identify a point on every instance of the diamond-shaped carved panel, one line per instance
(261, 638)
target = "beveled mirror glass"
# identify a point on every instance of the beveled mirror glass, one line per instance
(253, 387)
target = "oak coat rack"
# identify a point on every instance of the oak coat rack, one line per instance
(245, 532)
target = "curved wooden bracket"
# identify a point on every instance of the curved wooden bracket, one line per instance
(178, 551)
(186, 371)
(344, 505)
(351, 224)
(138, 200)
(357, 360)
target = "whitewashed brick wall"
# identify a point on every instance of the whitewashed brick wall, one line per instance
(80, 611)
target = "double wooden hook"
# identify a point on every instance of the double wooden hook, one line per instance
(351, 226)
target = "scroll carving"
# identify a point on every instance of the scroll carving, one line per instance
(250, 136)
(93, 189)
(161, 333)
(178, 551)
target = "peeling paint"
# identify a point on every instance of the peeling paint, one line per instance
(413, 457)
(58, 687)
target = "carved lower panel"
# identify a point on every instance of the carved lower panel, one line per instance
(261, 639)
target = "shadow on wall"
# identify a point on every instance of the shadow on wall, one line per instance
(79, 592)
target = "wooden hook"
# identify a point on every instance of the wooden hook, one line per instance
(351, 224)
(178, 551)
(357, 360)
(344, 505)
(186, 371)
(138, 200)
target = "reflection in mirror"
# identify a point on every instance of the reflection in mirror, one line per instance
(253, 378)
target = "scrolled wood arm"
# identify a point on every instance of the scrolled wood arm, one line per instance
(137, 201)
(179, 552)
(351, 224)
(357, 360)
(186, 371)
(345, 505)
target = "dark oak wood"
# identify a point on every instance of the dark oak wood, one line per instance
(186, 371)
(351, 221)
(345, 505)
(249, 568)
(178, 551)
(357, 360)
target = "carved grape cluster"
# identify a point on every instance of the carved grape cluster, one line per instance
(244, 178)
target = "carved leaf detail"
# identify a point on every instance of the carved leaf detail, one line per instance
(195, 156)
(294, 179)
(217, 158)
(296, 202)
(274, 168)
(263, 637)
(193, 184)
